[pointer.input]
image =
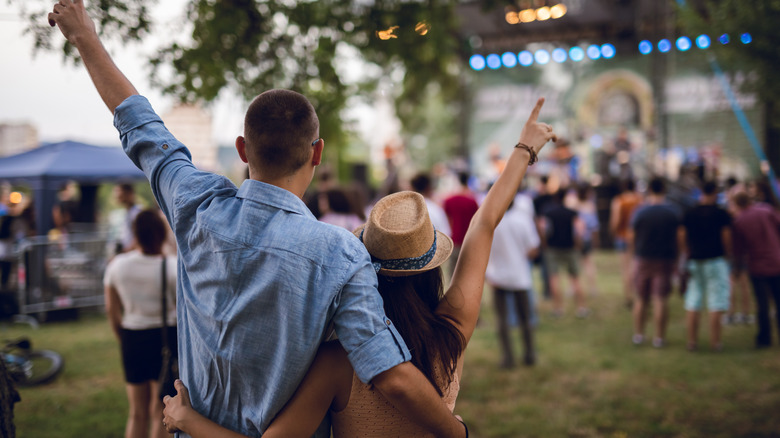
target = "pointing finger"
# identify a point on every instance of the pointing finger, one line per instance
(537, 109)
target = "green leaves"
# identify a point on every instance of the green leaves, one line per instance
(249, 46)
(760, 18)
(120, 20)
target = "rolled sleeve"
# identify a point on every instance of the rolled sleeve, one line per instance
(145, 139)
(133, 112)
(372, 343)
(374, 357)
(152, 148)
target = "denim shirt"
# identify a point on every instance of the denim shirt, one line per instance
(259, 281)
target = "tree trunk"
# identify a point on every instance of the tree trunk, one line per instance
(772, 135)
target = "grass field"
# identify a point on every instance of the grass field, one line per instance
(589, 380)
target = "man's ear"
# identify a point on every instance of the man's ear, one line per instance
(241, 148)
(316, 157)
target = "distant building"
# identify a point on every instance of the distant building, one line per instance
(191, 125)
(229, 164)
(16, 138)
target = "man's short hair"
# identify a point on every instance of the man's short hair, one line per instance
(279, 128)
(657, 186)
(709, 188)
(421, 183)
(126, 188)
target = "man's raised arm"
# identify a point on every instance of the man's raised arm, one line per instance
(73, 21)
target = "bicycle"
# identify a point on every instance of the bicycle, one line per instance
(28, 367)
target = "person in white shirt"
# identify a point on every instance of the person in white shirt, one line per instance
(133, 291)
(509, 274)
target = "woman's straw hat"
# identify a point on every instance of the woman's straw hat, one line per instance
(400, 237)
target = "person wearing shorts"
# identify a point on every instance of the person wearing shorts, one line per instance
(566, 259)
(707, 279)
(653, 278)
(133, 292)
(705, 234)
(563, 234)
(653, 239)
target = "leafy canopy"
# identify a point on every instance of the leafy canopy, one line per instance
(759, 18)
(248, 46)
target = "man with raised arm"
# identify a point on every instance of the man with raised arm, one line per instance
(259, 279)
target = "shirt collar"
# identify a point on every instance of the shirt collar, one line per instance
(273, 196)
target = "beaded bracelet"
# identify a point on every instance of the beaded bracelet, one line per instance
(530, 150)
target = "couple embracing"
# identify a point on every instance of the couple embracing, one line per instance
(260, 280)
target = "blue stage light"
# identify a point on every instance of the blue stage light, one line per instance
(663, 46)
(559, 55)
(493, 61)
(703, 41)
(593, 51)
(509, 59)
(576, 54)
(608, 51)
(746, 38)
(526, 58)
(724, 39)
(542, 57)
(477, 62)
(645, 47)
(683, 44)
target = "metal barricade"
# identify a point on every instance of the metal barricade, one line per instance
(61, 274)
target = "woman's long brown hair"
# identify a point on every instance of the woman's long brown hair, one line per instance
(410, 302)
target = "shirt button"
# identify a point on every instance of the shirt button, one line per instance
(165, 146)
(387, 321)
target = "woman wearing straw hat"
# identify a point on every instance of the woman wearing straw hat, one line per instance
(407, 253)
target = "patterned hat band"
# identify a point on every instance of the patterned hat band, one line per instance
(407, 264)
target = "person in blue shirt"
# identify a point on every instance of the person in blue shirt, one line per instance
(259, 279)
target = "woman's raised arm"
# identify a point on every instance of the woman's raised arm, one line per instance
(462, 300)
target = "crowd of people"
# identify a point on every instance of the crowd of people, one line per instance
(700, 246)
(708, 246)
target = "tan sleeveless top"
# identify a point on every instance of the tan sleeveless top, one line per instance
(368, 414)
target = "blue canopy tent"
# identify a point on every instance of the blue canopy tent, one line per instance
(46, 168)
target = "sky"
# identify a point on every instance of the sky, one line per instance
(61, 102)
(59, 99)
